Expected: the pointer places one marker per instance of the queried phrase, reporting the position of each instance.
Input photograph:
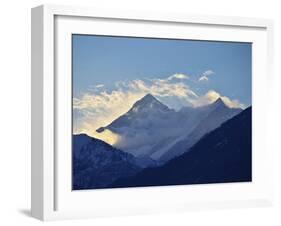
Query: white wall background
(15, 111)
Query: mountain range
(161, 146)
(223, 155)
(151, 129)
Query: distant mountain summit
(148, 105)
(146, 123)
(219, 101)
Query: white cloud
(162, 88)
(178, 76)
(208, 73)
(205, 75)
(203, 78)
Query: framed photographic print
(138, 112)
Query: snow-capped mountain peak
(146, 107)
(219, 101)
(148, 103)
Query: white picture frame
(52, 197)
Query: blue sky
(105, 60)
(101, 62)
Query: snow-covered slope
(189, 118)
(147, 123)
(217, 113)
(141, 111)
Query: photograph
(152, 111)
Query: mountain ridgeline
(221, 156)
(97, 164)
(209, 144)
(153, 130)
